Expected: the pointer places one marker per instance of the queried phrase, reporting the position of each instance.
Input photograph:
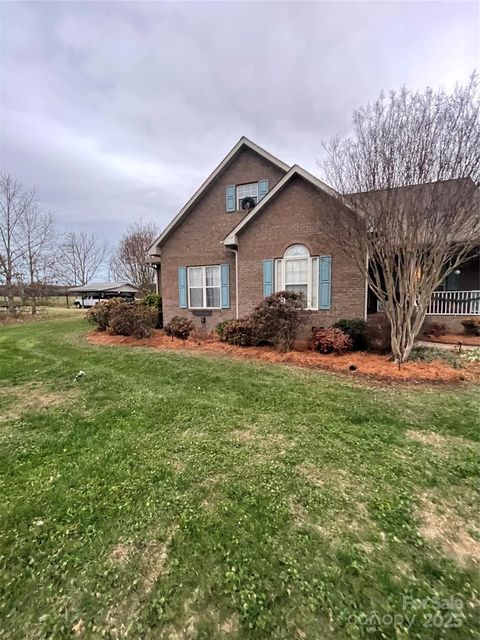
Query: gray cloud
(117, 111)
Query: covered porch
(459, 294)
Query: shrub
(473, 355)
(378, 335)
(101, 312)
(154, 301)
(435, 329)
(238, 332)
(220, 327)
(132, 320)
(179, 327)
(471, 326)
(330, 341)
(277, 318)
(430, 354)
(356, 329)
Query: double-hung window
(297, 271)
(204, 287)
(246, 191)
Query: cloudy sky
(117, 111)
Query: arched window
(298, 271)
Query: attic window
(246, 191)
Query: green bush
(238, 332)
(154, 301)
(132, 320)
(101, 312)
(471, 326)
(472, 355)
(220, 328)
(431, 354)
(356, 329)
(179, 327)
(277, 319)
(330, 341)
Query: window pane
(213, 276)
(296, 250)
(196, 297)
(195, 276)
(296, 271)
(278, 275)
(298, 288)
(213, 296)
(314, 293)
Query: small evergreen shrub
(356, 329)
(220, 327)
(238, 332)
(473, 355)
(179, 327)
(471, 326)
(101, 312)
(132, 320)
(435, 329)
(330, 341)
(277, 319)
(431, 354)
(154, 301)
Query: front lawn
(176, 495)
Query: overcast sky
(118, 111)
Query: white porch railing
(448, 303)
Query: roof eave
(243, 142)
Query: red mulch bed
(366, 364)
(455, 338)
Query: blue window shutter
(230, 198)
(225, 281)
(182, 287)
(267, 278)
(262, 189)
(325, 282)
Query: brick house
(254, 227)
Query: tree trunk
(405, 324)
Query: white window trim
(204, 284)
(238, 198)
(281, 286)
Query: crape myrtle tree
(406, 239)
(129, 259)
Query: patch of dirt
(321, 477)
(231, 625)
(120, 552)
(442, 525)
(437, 441)
(154, 560)
(369, 365)
(33, 396)
(455, 338)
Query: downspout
(235, 251)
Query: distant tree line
(36, 255)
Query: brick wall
(198, 239)
(295, 216)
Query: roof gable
(243, 143)
(232, 239)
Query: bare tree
(15, 202)
(409, 177)
(81, 255)
(38, 237)
(128, 261)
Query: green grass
(172, 495)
